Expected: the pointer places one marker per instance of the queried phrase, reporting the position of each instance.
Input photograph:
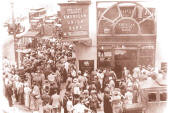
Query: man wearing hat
(116, 101)
(85, 98)
(76, 87)
(65, 100)
(94, 101)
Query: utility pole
(14, 33)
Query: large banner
(75, 19)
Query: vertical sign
(75, 19)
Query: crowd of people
(48, 79)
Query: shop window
(125, 54)
(152, 97)
(146, 52)
(163, 96)
(104, 62)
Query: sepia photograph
(84, 56)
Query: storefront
(122, 34)
(126, 36)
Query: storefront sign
(75, 19)
(86, 65)
(126, 26)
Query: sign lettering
(75, 19)
(126, 26)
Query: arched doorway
(126, 36)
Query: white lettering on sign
(126, 26)
(74, 11)
(75, 19)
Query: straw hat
(79, 72)
(75, 80)
(93, 91)
(86, 92)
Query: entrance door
(124, 58)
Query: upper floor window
(163, 96)
(152, 97)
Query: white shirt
(51, 78)
(79, 108)
(66, 66)
(129, 97)
(56, 100)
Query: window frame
(155, 95)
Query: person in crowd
(35, 96)
(125, 73)
(47, 108)
(64, 74)
(107, 102)
(82, 79)
(21, 92)
(9, 92)
(111, 84)
(69, 82)
(93, 101)
(85, 98)
(56, 102)
(116, 101)
(137, 72)
(27, 92)
(100, 76)
(79, 108)
(69, 104)
(129, 96)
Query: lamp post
(14, 33)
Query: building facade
(111, 34)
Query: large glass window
(104, 62)
(146, 52)
(163, 96)
(152, 97)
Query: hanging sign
(75, 19)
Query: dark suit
(107, 104)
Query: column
(138, 54)
(113, 57)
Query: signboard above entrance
(126, 26)
(75, 19)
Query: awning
(30, 34)
(85, 41)
(39, 17)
